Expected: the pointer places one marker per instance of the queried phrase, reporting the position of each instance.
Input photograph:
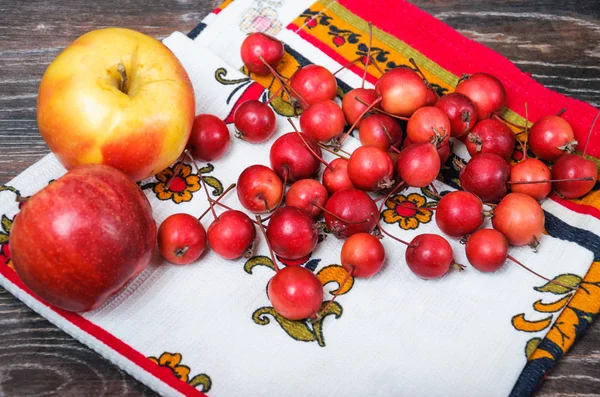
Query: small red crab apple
(181, 239)
(295, 293)
(335, 177)
(460, 111)
(459, 213)
(520, 218)
(353, 108)
(430, 256)
(313, 83)
(323, 121)
(308, 195)
(428, 124)
(402, 91)
(486, 92)
(419, 164)
(295, 156)
(531, 170)
(292, 233)
(371, 169)
(259, 45)
(209, 139)
(491, 136)
(444, 149)
(350, 211)
(487, 250)
(232, 235)
(381, 131)
(254, 121)
(550, 137)
(571, 166)
(485, 176)
(259, 189)
(362, 255)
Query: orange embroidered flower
(181, 186)
(171, 361)
(408, 211)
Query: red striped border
(163, 374)
(330, 53)
(576, 207)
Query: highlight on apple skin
(117, 97)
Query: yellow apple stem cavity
(124, 79)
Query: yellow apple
(117, 97)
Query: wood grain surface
(557, 41)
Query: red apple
(116, 97)
(83, 237)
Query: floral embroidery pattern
(408, 211)
(304, 330)
(172, 362)
(343, 33)
(177, 183)
(562, 331)
(282, 103)
(261, 20)
(314, 18)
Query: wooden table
(558, 42)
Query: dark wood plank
(556, 41)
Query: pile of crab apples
(389, 160)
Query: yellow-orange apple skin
(84, 117)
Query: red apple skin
(85, 118)
(83, 237)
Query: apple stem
(367, 110)
(180, 252)
(372, 62)
(341, 287)
(386, 132)
(217, 200)
(264, 233)
(539, 275)
(287, 86)
(264, 199)
(524, 143)
(587, 178)
(368, 54)
(21, 199)
(434, 190)
(590, 134)
(339, 218)
(229, 208)
(124, 78)
(561, 112)
(420, 72)
(359, 99)
(308, 146)
(505, 121)
(324, 147)
(210, 201)
(275, 94)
